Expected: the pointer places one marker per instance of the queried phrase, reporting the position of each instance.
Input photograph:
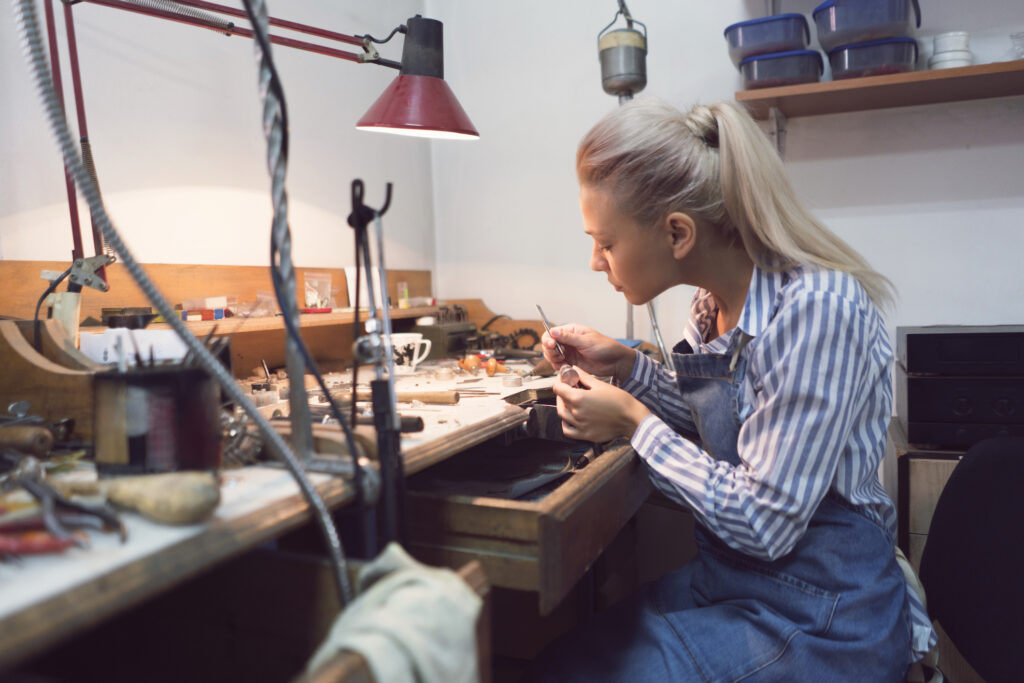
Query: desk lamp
(623, 54)
(418, 101)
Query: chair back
(972, 567)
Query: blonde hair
(716, 165)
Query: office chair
(972, 567)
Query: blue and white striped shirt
(815, 404)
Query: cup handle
(420, 357)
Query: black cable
(398, 29)
(489, 322)
(276, 276)
(39, 304)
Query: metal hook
(361, 213)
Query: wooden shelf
(237, 325)
(1000, 79)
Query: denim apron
(832, 609)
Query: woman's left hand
(597, 411)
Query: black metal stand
(377, 347)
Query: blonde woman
(770, 429)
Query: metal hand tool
(547, 326)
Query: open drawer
(543, 545)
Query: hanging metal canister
(623, 55)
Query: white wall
(174, 118)
(933, 196)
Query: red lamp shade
(423, 106)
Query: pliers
(59, 514)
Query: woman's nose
(597, 261)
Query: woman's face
(637, 259)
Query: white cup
(951, 60)
(410, 349)
(952, 41)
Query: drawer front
(543, 546)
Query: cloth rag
(412, 623)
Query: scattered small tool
(542, 369)
(492, 367)
(59, 515)
(30, 439)
(471, 363)
(448, 398)
(36, 542)
(169, 498)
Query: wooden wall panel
(22, 285)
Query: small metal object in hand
(547, 326)
(569, 375)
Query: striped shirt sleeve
(654, 386)
(811, 367)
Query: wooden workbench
(49, 598)
(543, 546)
(46, 598)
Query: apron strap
(741, 341)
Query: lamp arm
(229, 28)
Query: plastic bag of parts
(317, 289)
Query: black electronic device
(957, 385)
(962, 349)
(447, 340)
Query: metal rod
(666, 357)
(76, 76)
(83, 129)
(232, 30)
(77, 250)
(282, 23)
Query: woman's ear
(682, 233)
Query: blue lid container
(777, 33)
(874, 58)
(846, 22)
(781, 68)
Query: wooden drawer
(544, 545)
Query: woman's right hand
(590, 350)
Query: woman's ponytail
(776, 230)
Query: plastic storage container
(847, 22)
(781, 68)
(874, 58)
(778, 33)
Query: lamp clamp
(370, 53)
(84, 272)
